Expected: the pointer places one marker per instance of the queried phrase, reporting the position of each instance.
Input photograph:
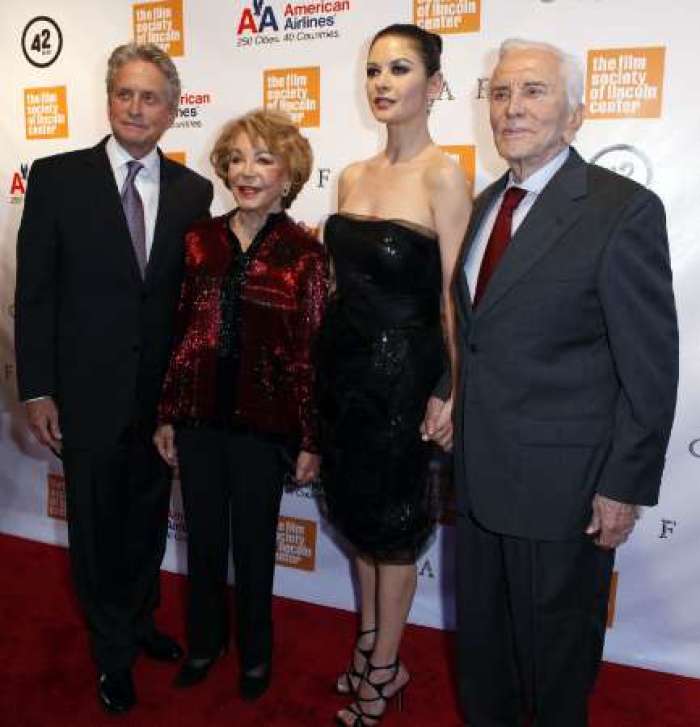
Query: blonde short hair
(279, 134)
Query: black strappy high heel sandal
(362, 718)
(351, 675)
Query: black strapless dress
(382, 352)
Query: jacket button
(136, 348)
(473, 348)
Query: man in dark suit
(99, 266)
(565, 398)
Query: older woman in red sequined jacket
(238, 399)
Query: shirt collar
(118, 156)
(537, 181)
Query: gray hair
(149, 53)
(571, 71)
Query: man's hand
(43, 421)
(164, 439)
(437, 424)
(308, 467)
(612, 521)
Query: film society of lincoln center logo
(45, 112)
(448, 16)
(296, 543)
(624, 83)
(42, 41)
(296, 91)
(160, 23)
(56, 496)
(465, 156)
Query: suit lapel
(109, 212)
(482, 204)
(554, 211)
(165, 206)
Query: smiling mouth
(383, 103)
(246, 191)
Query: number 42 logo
(42, 41)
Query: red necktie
(498, 239)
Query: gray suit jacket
(568, 367)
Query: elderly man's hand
(612, 521)
(437, 424)
(308, 467)
(43, 421)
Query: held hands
(43, 421)
(308, 467)
(612, 521)
(437, 425)
(164, 439)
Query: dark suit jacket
(89, 331)
(569, 365)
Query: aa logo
(257, 19)
(296, 92)
(45, 113)
(18, 184)
(160, 23)
(448, 16)
(296, 543)
(625, 83)
(177, 156)
(56, 497)
(465, 156)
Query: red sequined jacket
(245, 331)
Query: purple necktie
(133, 210)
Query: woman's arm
(450, 198)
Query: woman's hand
(308, 467)
(164, 439)
(437, 425)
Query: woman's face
(397, 84)
(256, 176)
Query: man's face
(139, 112)
(530, 115)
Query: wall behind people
(308, 59)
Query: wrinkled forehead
(533, 65)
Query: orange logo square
(612, 600)
(448, 16)
(296, 91)
(296, 543)
(160, 23)
(465, 156)
(56, 497)
(46, 112)
(177, 156)
(625, 83)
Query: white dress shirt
(534, 185)
(147, 182)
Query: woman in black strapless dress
(393, 246)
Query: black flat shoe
(116, 691)
(253, 686)
(193, 671)
(160, 647)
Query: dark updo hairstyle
(428, 45)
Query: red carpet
(47, 677)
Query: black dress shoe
(161, 647)
(253, 686)
(116, 691)
(193, 671)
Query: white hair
(571, 70)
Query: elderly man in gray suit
(564, 398)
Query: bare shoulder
(444, 175)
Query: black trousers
(231, 488)
(117, 503)
(531, 624)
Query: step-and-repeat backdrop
(307, 58)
